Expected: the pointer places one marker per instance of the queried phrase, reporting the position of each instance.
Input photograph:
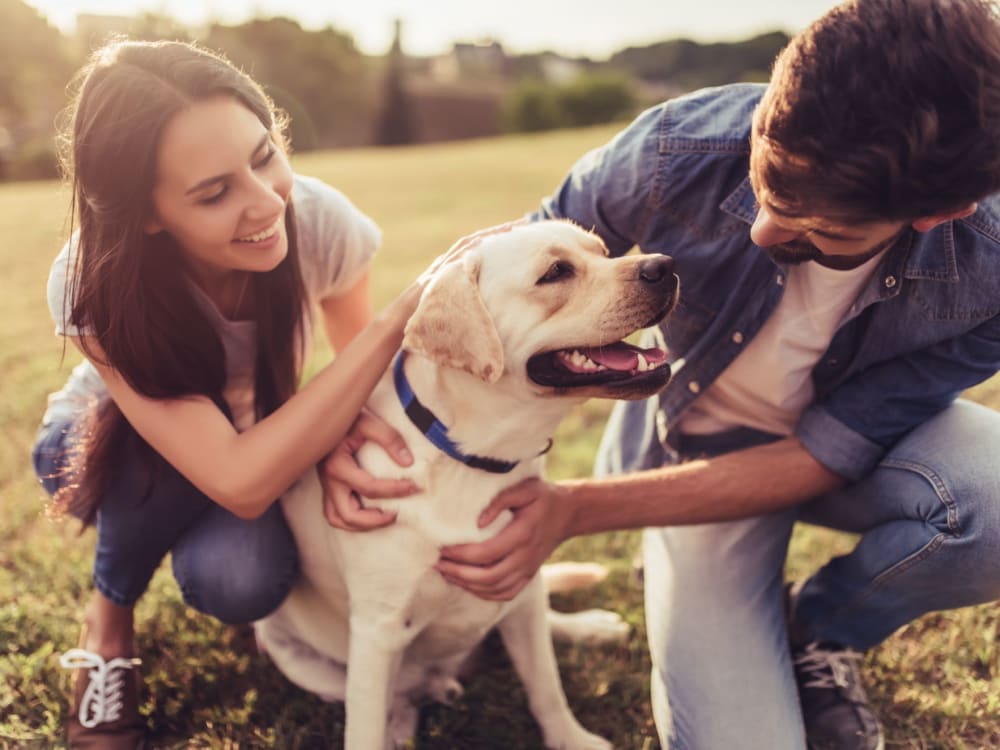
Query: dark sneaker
(105, 713)
(835, 708)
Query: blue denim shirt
(926, 326)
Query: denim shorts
(234, 569)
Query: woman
(189, 287)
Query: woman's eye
(266, 158)
(558, 270)
(214, 198)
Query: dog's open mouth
(597, 365)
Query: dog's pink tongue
(623, 356)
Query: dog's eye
(557, 271)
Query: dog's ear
(452, 326)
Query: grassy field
(936, 682)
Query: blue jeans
(233, 569)
(929, 523)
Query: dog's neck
(483, 419)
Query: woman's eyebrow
(219, 177)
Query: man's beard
(796, 253)
(793, 253)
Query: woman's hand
(465, 244)
(344, 481)
(500, 567)
(401, 308)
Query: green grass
(936, 682)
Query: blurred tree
(153, 26)
(690, 65)
(531, 106)
(595, 98)
(319, 77)
(35, 65)
(394, 126)
(589, 99)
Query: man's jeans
(929, 520)
(234, 569)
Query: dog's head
(544, 302)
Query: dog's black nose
(656, 268)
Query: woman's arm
(245, 472)
(346, 315)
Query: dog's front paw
(444, 689)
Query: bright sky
(595, 28)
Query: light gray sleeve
(60, 303)
(336, 240)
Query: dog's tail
(593, 626)
(569, 576)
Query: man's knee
(954, 455)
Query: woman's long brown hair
(128, 290)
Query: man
(837, 237)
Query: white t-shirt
(769, 384)
(336, 242)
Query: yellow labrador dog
(505, 340)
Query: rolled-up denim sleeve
(608, 190)
(835, 445)
(851, 429)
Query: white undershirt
(769, 384)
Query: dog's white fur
(373, 600)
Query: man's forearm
(735, 485)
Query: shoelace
(827, 668)
(104, 697)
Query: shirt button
(737, 338)
(694, 387)
(890, 282)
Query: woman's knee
(238, 577)
(235, 590)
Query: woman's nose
(765, 232)
(269, 197)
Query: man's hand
(499, 568)
(344, 480)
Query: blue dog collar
(432, 428)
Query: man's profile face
(835, 243)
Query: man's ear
(452, 326)
(927, 223)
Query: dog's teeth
(643, 365)
(581, 360)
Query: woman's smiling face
(222, 186)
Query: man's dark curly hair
(883, 110)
